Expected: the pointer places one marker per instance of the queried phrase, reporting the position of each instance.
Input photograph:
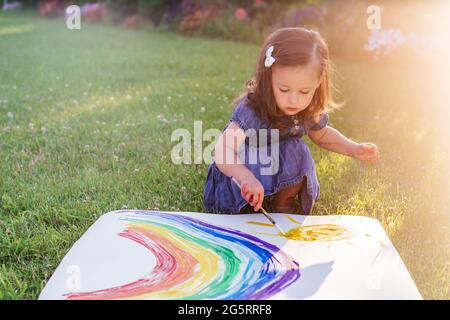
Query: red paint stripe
(173, 266)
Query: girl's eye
(302, 92)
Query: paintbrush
(262, 209)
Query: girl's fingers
(250, 196)
(255, 201)
(260, 201)
(373, 159)
(246, 196)
(370, 149)
(253, 196)
(255, 207)
(370, 157)
(252, 200)
(367, 157)
(369, 153)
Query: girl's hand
(253, 192)
(366, 151)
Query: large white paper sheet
(137, 254)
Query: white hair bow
(269, 59)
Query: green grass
(86, 119)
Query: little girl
(288, 97)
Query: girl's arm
(225, 153)
(227, 160)
(332, 140)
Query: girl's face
(294, 86)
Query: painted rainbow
(198, 260)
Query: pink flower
(240, 14)
(259, 3)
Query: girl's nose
(293, 99)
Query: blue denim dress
(274, 169)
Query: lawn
(86, 119)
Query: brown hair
(292, 47)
